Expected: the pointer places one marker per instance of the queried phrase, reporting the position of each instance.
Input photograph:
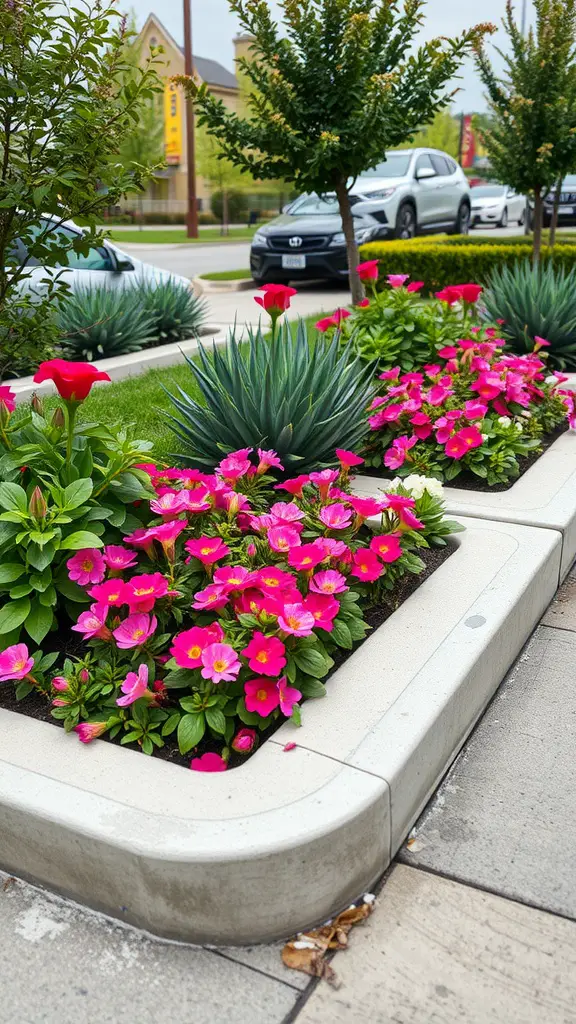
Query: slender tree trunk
(527, 217)
(554, 223)
(356, 286)
(537, 244)
(224, 212)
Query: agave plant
(177, 313)
(97, 323)
(302, 400)
(535, 303)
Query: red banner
(468, 144)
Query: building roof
(210, 71)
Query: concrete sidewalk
(475, 923)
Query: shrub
(98, 323)
(28, 335)
(476, 409)
(176, 312)
(440, 263)
(237, 206)
(534, 304)
(302, 400)
(231, 617)
(64, 488)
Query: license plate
(293, 262)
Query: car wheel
(521, 219)
(503, 222)
(462, 224)
(406, 225)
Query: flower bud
(37, 404)
(59, 683)
(58, 419)
(84, 675)
(244, 741)
(37, 505)
(251, 550)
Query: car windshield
(487, 191)
(315, 206)
(395, 166)
(569, 181)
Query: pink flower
(463, 442)
(449, 295)
(118, 558)
(135, 631)
(397, 280)
(207, 549)
(540, 343)
(324, 608)
(265, 654)
(171, 504)
(341, 314)
(415, 286)
(448, 352)
(366, 507)
(475, 410)
(268, 460)
(396, 455)
(422, 425)
(392, 374)
(187, 647)
(328, 582)
(234, 577)
(134, 686)
(469, 292)
(335, 517)
(296, 620)
(244, 741)
(87, 566)
(368, 271)
(209, 762)
(15, 663)
(387, 547)
(348, 459)
(275, 580)
(276, 299)
(333, 549)
(282, 538)
(93, 623)
(288, 697)
(166, 535)
(326, 324)
(289, 746)
(59, 683)
(88, 731)
(220, 662)
(143, 539)
(197, 500)
(111, 592)
(7, 398)
(213, 596)
(363, 303)
(438, 394)
(402, 508)
(141, 592)
(286, 512)
(366, 566)
(232, 468)
(306, 556)
(261, 696)
(488, 385)
(323, 481)
(433, 369)
(295, 485)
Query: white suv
(414, 191)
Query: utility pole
(192, 214)
(523, 22)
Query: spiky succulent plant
(303, 400)
(97, 323)
(177, 313)
(536, 303)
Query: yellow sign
(172, 124)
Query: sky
(214, 27)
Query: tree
(332, 93)
(222, 175)
(442, 133)
(531, 142)
(66, 108)
(144, 145)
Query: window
(424, 163)
(440, 165)
(488, 191)
(315, 206)
(96, 259)
(394, 166)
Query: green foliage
(534, 303)
(52, 506)
(444, 263)
(302, 400)
(237, 206)
(176, 312)
(98, 323)
(28, 336)
(443, 133)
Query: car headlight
(383, 193)
(260, 239)
(365, 235)
(338, 239)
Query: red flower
(8, 398)
(73, 380)
(469, 292)
(449, 295)
(368, 271)
(276, 298)
(415, 286)
(325, 324)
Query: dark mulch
(470, 482)
(35, 705)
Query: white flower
(552, 379)
(519, 427)
(526, 414)
(394, 484)
(504, 421)
(417, 484)
(484, 437)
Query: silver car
(496, 204)
(413, 191)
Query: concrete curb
(290, 837)
(545, 496)
(130, 365)
(203, 287)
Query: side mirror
(424, 172)
(123, 264)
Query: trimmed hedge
(439, 264)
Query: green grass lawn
(145, 237)
(227, 275)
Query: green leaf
(311, 688)
(311, 662)
(39, 621)
(216, 720)
(77, 494)
(13, 498)
(341, 634)
(191, 729)
(13, 614)
(80, 540)
(22, 590)
(179, 679)
(10, 571)
(171, 724)
(69, 589)
(40, 558)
